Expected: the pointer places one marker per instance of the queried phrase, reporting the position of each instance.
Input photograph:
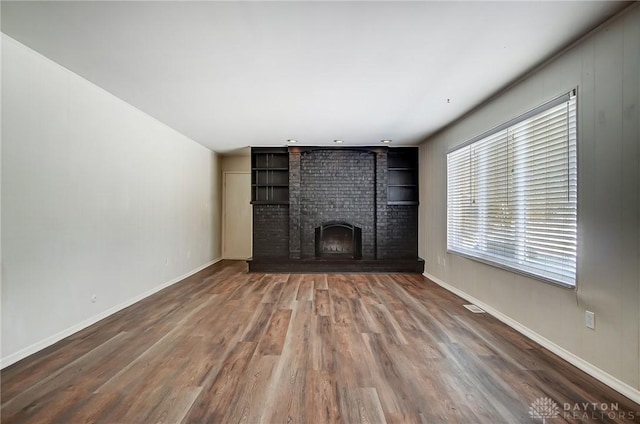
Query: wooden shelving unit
(402, 176)
(269, 175)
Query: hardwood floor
(224, 346)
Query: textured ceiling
(236, 74)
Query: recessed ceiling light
(385, 141)
(338, 141)
(291, 140)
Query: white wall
(606, 69)
(97, 199)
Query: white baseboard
(38, 346)
(611, 381)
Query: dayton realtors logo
(596, 411)
(546, 409)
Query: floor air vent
(475, 309)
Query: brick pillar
(381, 203)
(294, 204)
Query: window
(512, 194)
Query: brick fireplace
(337, 211)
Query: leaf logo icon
(544, 408)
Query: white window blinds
(512, 194)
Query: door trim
(224, 216)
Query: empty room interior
(320, 212)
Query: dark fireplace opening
(338, 240)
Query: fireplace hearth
(336, 240)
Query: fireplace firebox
(337, 240)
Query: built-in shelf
(402, 176)
(269, 202)
(402, 202)
(270, 169)
(269, 175)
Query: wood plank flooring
(224, 346)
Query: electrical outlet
(94, 297)
(590, 319)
